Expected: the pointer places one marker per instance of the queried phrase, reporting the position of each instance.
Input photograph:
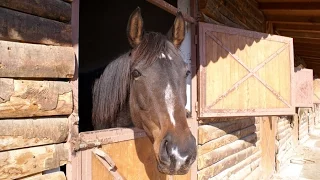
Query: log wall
(303, 116)
(228, 149)
(37, 64)
(285, 140)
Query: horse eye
(136, 74)
(188, 73)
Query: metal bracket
(106, 160)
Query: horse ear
(135, 28)
(178, 30)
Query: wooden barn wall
(230, 148)
(285, 140)
(243, 14)
(37, 62)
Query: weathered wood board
(23, 162)
(244, 73)
(53, 9)
(27, 98)
(52, 176)
(36, 61)
(316, 90)
(20, 133)
(304, 85)
(17, 26)
(129, 149)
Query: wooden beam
(289, 6)
(291, 19)
(17, 26)
(21, 133)
(51, 176)
(299, 33)
(171, 9)
(309, 46)
(311, 53)
(293, 26)
(306, 40)
(293, 13)
(53, 9)
(27, 98)
(23, 162)
(295, 23)
(280, 1)
(36, 61)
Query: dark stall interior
(102, 38)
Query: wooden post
(268, 133)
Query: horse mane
(111, 90)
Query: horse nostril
(164, 153)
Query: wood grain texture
(53, 9)
(17, 26)
(20, 133)
(23, 162)
(216, 155)
(27, 98)
(226, 163)
(134, 159)
(253, 82)
(52, 176)
(224, 140)
(36, 61)
(211, 132)
(304, 85)
(316, 90)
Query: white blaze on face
(180, 160)
(169, 97)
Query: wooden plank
(237, 167)
(299, 33)
(226, 163)
(36, 61)
(27, 98)
(283, 25)
(293, 12)
(51, 176)
(210, 132)
(246, 171)
(268, 125)
(224, 140)
(134, 159)
(171, 9)
(17, 26)
(289, 6)
(291, 18)
(220, 50)
(53, 9)
(216, 155)
(20, 133)
(24, 162)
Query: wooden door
(303, 87)
(119, 153)
(244, 73)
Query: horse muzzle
(176, 155)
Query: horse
(146, 87)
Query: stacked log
(303, 124)
(37, 62)
(284, 141)
(227, 148)
(317, 114)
